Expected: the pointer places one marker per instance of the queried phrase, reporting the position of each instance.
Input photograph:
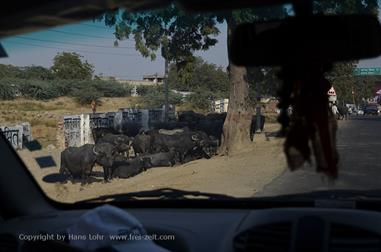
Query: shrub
(7, 90)
(146, 90)
(157, 99)
(64, 87)
(85, 96)
(111, 88)
(200, 100)
(38, 89)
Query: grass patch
(50, 123)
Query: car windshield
(149, 101)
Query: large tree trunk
(236, 131)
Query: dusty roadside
(241, 175)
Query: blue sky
(39, 48)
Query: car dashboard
(282, 229)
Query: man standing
(94, 106)
(335, 110)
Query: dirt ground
(241, 175)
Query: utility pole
(166, 91)
(258, 109)
(353, 97)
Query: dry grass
(44, 115)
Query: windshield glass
(133, 102)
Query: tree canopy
(178, 35)
(199, 75)
(172, 31)
(341, 76)
(67, 65)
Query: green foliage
(38, 89)
(342, 74)
(71, 66)
(156, 99)
(198, 74)
(145, 90)
(8, 88)
(111, 88)
(86, 96)
(346, 7)
(175, 32)
(10, 71)
(201, 100)
(364, 87)
(64, 87)
(342, 80)
(36, 72)
(263, 82)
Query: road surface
(359, 146)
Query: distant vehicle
(371, 109)
(351, 109)
(360, 112)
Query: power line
(71, 43)
(80, 34)
(96, 26)
(63, 49)
(125, 77)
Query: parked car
(371, 109)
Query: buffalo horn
(96, 153)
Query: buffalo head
(122, 142)
(105, 153)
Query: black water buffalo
(211, 127)
(120, 141)
(214, 142)
(216, 116)
(169, 125)
(254, 127)
(142, 143)
(160, 159)
(190, 118)
(181, 143)
(197, 153)
(126, 168)
(131, 129)
(98, 133)
(78, 162)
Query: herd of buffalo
(192, 136)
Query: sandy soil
(241, 175)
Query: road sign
(367, 71)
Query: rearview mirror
(323, 39)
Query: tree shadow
(33, 145)
(61, 178)
(45, 162)
(55, 178)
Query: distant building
(220, 106)
(148, 80)
(184, 94)
(154, 78)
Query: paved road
(359, 145)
